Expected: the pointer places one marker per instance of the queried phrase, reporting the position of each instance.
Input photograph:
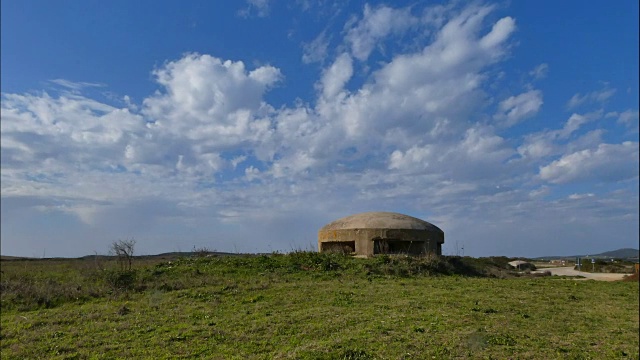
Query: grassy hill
(309, 306)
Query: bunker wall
(365, 239)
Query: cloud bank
(207, 160)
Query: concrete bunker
(339, 246)
(373, 233)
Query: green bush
(121, 280)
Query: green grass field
(309, 306)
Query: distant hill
(626, 253)
(164, 256)
(168, 255)
(7, 257)
(620, 253)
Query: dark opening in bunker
(346, 247)
(394, 246)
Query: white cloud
(208, 156)
(316, 50)
(628, 118)
(238, 160)
(540, 71)
(580, 196)
(336, 76)
(130, 105)
(216, 103)
(481, 152)
(539, 192)
(456, 54)
(576, 121)
(258, 8)
(516, 108)
(573, 124)
(554, 142)
(536, 146)
(374, 26)
(205, 88)
(251, 173)
(208, 106)
(588, 140)
(499, 33)
(75, 85)
(608, 162)
(68, 128)
(418, 92)
(600, 96)
(415, 157)
(210, 114)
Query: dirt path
(569, 271)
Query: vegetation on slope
(32, 284)
(604, 266)
(309, 306)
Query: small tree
(202, 251)
(123, 250)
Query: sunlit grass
(308, 306)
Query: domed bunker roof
(380, 220)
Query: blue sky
(246, 126)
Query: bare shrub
(123, 250)
(202, 251)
